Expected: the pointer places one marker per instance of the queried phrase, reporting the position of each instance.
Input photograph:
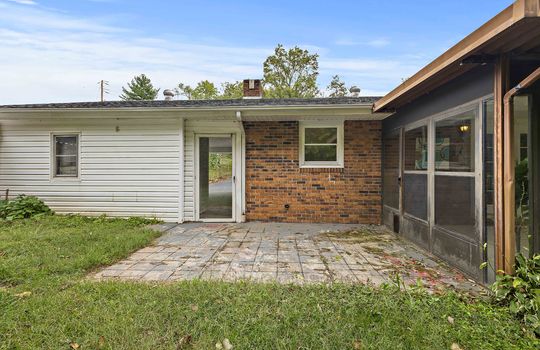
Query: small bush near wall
(23, 207)
(521, 291)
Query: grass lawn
(50, 258)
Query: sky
(58, 50)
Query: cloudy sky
(57, 51)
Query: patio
(286, 253)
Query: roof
(203, 104)
(514, 30)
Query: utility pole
(103, 89)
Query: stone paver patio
(286, 253)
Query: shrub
(23, 207)
(521, 291)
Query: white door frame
(235, 181)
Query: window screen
(454, 143)
(391, 170)
(455, 204)
(415, 195)
(416, 149)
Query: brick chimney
(252, 88)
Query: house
(300, 160)
(434, 160)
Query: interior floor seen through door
(215, 178)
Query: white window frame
(339, 163)
(54, 176)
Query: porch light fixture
(464, 128)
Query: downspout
(243, 164)
(509, 172)
(181, 185)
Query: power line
(103, 89)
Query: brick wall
(274, 179)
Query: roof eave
(142, 112)
(513, 14)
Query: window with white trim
(321, 145)
(66, 156)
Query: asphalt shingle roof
(201, 103)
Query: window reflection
(454, 143)
(416, 149)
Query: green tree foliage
(206, 90)
(140, 88)
(291, 73)
(232, 90)
(337, 87)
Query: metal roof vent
(355, 91)
(169, 94)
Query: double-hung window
(321, 145)
(65, 155)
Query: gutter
(509, 187)
(187, 109)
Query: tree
(204, 90)
(337, 87)
(140, 88)
(232, 90)
(291, 73)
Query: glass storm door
(526, 150)
(522, 157)
(215, 178)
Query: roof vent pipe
(355, 91)
(169, 94)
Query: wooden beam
(509, 187)
(527, 8)
(500, 88)
(496, 25)
(473, 43)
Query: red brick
(274, 178)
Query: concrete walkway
(286, 253)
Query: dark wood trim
(534, 165)
(509, 203)
(501, 86)
(513, 23)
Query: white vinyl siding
(128, 167)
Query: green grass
(50, 258)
